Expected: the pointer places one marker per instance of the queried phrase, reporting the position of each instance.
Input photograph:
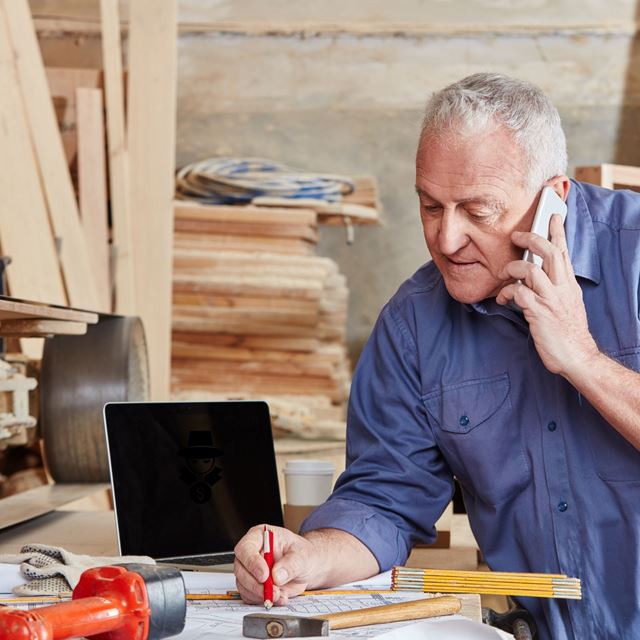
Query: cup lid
(309, 466)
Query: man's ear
(561, 185)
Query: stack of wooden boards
(256, 313)
(61, 247)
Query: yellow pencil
(334, 592)
(213, 596)
(35, 599)
(53, 599)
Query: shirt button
(464, 421)
(552, 426)
(562, 506)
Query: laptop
(190, 478)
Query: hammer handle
(413, 610)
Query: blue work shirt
(447, 389)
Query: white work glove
(54, 570)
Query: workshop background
(334, 87)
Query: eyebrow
(480, 199)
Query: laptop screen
(190, 477)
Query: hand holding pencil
(290, 562)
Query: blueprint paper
(222, 619)
(217, 619)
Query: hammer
(271, 625)
(123, 602)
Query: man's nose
(452, 235)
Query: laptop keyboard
(206, 561)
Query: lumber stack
(256, 314)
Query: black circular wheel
(79, 375)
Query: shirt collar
(581, 237)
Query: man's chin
(469, 296)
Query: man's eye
(481, 216)
(431, 208)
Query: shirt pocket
(615, 458)
(479, 436)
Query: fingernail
(280, 576)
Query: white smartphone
(550, 203)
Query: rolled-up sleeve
(396, 484)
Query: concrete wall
(339, 86)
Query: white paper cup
(308, 482)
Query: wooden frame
(611, 176)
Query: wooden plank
(118, 158)
(245, 302)
(36, 502)
(92, 184)
(199, 351)
(151, 144)
(250, 285)
(13, 309)
(229, 242)
(85, 532)
(268, 229)
(357, 213)
(25, 232)
(268, 343)
(186, 210)
(62, 205)
(41, 328)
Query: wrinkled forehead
(488, 164)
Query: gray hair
(482, 100)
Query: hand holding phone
(550, 202)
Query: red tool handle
(107, 599)
(267, 553)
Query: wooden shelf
(32, 319)
(36, 502)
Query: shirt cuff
(375, 531)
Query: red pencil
(267, 554)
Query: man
(536, 412)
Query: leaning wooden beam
(151, 143)
(56, 180)
(118, 157)
(25, 233)
(92, 185)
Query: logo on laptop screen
(201, 471)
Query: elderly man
(535, 411)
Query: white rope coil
(227, 180)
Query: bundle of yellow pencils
(537, 585)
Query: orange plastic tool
(129, 602)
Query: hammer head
(271, 625)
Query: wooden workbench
(94, 533)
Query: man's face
(473, 195)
